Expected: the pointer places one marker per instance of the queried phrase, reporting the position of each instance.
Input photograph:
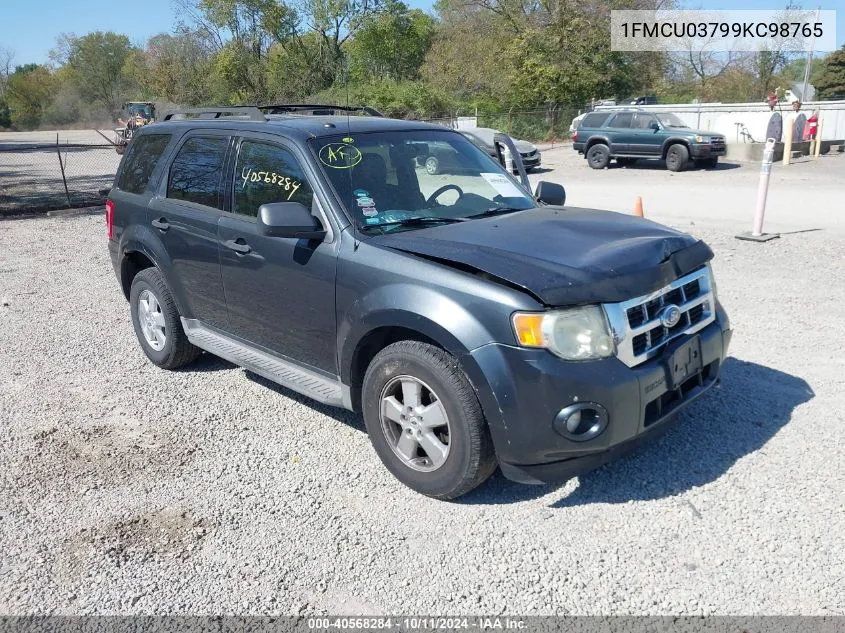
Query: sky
(29, 27)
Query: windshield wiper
(421, 221)
(494, 211)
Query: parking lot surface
(127, 489)
(803, 195)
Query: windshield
(141, 109)
(389, 181)
(671, 120)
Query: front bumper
(531, 162)
(529, 387)
(706, 150)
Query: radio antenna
(345, 67)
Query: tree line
(492, 55)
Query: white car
(483, 138)
(439, 160)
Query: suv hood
(561, 256)
(689, 132)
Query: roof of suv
(306, 127)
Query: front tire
(677, 157)
(598, 156)
(425, 422)
(157, 323)
(432, 166)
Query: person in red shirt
(812, 127)
(773, 101)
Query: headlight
(702, 139)
(574, 334)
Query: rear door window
(593, 120)
(140, 162)
(643, 121)
(622, 120)
(196, 172)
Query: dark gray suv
(473, 323)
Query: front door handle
(238, 245)
(161, 224)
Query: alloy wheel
(151, 320)
(415, 423)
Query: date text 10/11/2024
(493, 623)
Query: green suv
(627, 135)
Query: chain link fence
(546, 127)
(40, 176)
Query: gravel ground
(127, 489)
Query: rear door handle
(238, 245)
(161, 224)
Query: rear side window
(623, 119)
(643, 121)
(594, 120)
(197, 170)
(267, 173)
(141, 160)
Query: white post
(763, 187)
(788, 125)
(756, 234)
(818, 139)
(510, 162)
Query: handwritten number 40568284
(271, 178)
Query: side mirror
(654, 125)
(550, 193)
(289, 219)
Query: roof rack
(251, 112)
(315, 109)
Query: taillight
(575, 135)
(110, 217)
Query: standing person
(812, 126)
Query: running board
(308, 383)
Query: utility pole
(809, 61)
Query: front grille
(666, 402)
(637, 327)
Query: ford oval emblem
(670, 316)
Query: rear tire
(156, 322)
(441, 446)
(677, 157)
(598, 156)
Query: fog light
(582, 421)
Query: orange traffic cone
(638, 207)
